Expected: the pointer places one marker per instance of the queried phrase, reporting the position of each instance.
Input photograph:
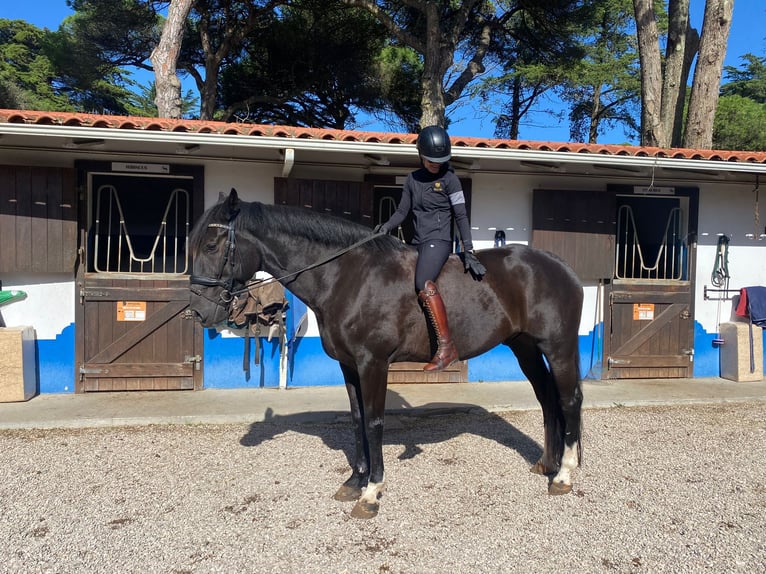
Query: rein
(261, 282)
(227, 294)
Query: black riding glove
(381, 229)
(473, 265)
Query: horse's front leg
(351, 490)
(373, 382)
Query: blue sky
(748, 35)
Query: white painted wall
(728, 210)
(48, 307)
(499, 202)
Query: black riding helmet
(434, 144)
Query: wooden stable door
(133, 329)
(650, 331)
(137, 336)
(640, 243)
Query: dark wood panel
(123, 370)
(138, 293)
(412, 373)
(578, 226)
(656, 347)
(658, 361)
(39, 221)
(38, 226)
(117, 384)
(53, 209)
(649, 332)
(23, 220)
(138, 332)
(590, 255)
(7, 219)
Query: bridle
(226, 295)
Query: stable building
(95, 213)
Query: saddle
(260, 311)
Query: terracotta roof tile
(253, 130)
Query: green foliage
(309, 66)
(749, 81)
(740, 124)
(537, 47)
(88, 82)
(740, 119)
(603, 88)
(120, 32)
(399, 69)
(142, 103)
(26, 71)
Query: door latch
(196, 359)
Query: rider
(435, 196)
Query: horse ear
(233, 202)
(221, 197)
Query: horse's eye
(211, 247)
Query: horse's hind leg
(534, 368)
(565, 368)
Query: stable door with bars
(133, 332)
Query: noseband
(226, 295)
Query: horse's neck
(292, 260)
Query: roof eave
(388, 149)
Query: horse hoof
(556, 488)
(348, 493)
(365, 510)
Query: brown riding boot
(446, 353)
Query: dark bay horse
(368, 316)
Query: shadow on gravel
(405, 425)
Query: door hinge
(610, 361)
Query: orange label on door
(643, 311)
(131, 310)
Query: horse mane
(319, 228)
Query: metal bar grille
(116, 240)
(631, 258)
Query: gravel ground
(663, 489)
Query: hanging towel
(741, 309)
(756, 305)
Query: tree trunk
(164, 58)
(707, 74)
(674, 82)
(651, 73)
(515, 109)
(433, 108)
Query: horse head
(218, 272)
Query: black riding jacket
(433, 199)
